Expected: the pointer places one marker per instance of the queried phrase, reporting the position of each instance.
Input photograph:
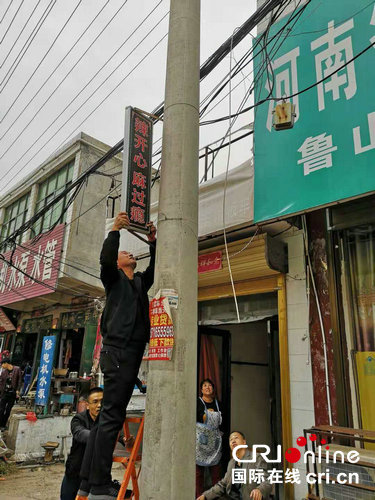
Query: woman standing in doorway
(208, 436)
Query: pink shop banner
(32, 269)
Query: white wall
(301, 386)
(250, 384)
(84, 237)
(25, 438)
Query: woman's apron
(208, 438)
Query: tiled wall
(301, 386)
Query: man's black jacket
(119, 315)
(80, 426)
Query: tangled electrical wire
(76, 186)
(267, 46)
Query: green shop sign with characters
(329, 154)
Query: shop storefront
(73, 357)
(7, 328)
(75, 333)
(27, 341)
(352, 254)
(77, 340)
(243, 345)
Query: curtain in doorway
(362, 269)
(209, 363)
(97, 348)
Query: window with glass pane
(361, 246)
(48, 191)
(15, 216)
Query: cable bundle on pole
(214, 60)
(206, 68)
(75, 185)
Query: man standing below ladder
(125, 329)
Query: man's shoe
(105, 492)
(116, 484)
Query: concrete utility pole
(168, 457)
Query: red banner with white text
(32, 269)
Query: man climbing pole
(125, 328)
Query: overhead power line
(214, 60)
(113, 90)
(42, 283)
(293, 18)
(246, 59)
(84, 87)
(242, 63)
(271, 4)
(43, 58)
(89, 208)
(260, 73)
(270, 98)
(66, 121)
(6, 11)
(13, 18)
(75, 185)
(53, 72)
(264, 38)
(112, 152)
(19, 35)
(207, 67)
(27, 44)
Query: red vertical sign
(161, 333)
(137, 169)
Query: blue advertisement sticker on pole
(45, 370)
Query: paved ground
(39, 482)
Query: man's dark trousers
(120, 368)
(6, 404)
(69, 487)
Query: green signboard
(329, 154)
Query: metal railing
(329, 442)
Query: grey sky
(144, 88)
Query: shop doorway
(24, 349)
(31, 340)
(214, 348)
(71, 349)
(249, 374)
